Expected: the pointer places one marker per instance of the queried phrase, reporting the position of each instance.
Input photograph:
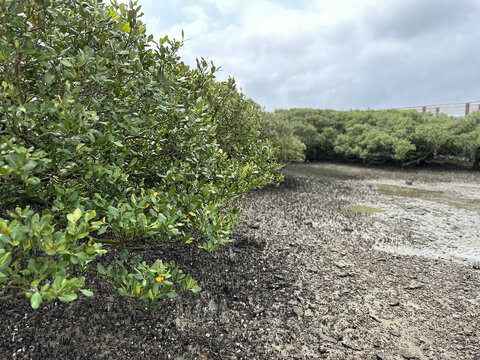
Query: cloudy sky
(339, 54)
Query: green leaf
(89, 215)
(48, 78)
(172, 294)
(86, 292)
(33, 181)
(113, 211)
(36, 300)
(124, 255)
(122, 291)
(66, 62)
(60, 20)
(101, 269)
(68, 297)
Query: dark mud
(306, 282)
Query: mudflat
(338, 262)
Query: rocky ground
(305, 279)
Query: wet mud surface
(314, 273)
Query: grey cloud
(400, 53)
(408, 19)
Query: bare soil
(306, 278)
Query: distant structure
(456, 109)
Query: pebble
(408, 355)
(352, 345)
(395, 333)
(298, 310)
(255, 225)
(394, 302)
(328, 338)
(258, 310)
(341, 265)
(413, 285)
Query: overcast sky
(338, 54)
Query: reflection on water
(433, 195)
(394, 190)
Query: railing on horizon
(456, 109)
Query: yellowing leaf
(137, 289)
(155, 193)
(6, 230)
(150, 294)
(160, 278)
(27, 246)
(126, 27)
(113, 14)
(77, 214)
(192, 213)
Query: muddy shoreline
(305, 279)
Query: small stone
(258, 310)
(468, 331)
(409, 182)
(180, 323)
(476, 265)
(312, 224)
(413, 285)
(298, 310)
(425, 347)
(394, 302)
(308, 313)
(408, 355)
(255, 225)
(312, 269)
(328, 338)
(341, 265)
(352, 345)
(343, 274)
